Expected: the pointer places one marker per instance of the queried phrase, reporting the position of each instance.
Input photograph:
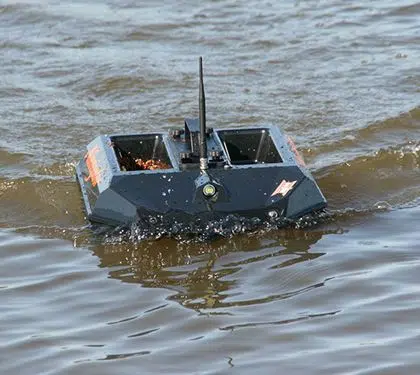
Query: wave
(390, 174)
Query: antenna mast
(202, 117)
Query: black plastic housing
(256, 172)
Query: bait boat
(196, 173)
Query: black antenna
(202, 117)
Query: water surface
(338, 297)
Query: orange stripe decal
(299, 158)
(92, 166)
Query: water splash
(156, 227)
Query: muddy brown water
(342, 296)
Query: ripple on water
(338, 297)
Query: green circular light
(209, 190)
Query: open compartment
(249, 146)
(141, 152)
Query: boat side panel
(305, 198)
(112, 207)
(88, 199)
(248, 190)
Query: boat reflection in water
(208, 275)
